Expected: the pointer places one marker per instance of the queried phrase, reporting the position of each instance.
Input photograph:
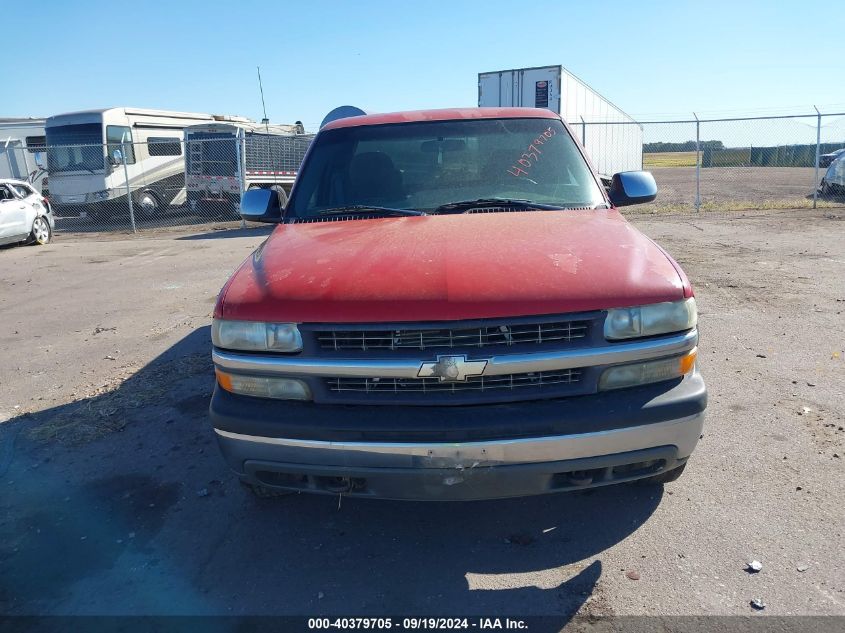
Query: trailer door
(496, 90)
(540, 88)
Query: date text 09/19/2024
(418, 623)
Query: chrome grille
(530, 333)
(435, 385)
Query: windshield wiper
(513, 203)
(363, 209)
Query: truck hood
(438, 268)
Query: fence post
(241, 143)
(818, 147)
(583, 133)
(697, 163)
(128, 188)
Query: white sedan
(25, 215)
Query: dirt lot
(115, 500)
(732, 188)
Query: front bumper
(469, 452)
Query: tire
(231, 210)
(283, 196)
(41, 232)
(149, 206)
(663, 478)
(265, 492)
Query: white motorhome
(612, 139)
(225, 158)
(22, 154)
(91, 153)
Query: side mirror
(261, 205)
(116, 157)
(632, 187)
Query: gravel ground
(115, 500)
(733, 188)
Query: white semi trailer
(612, 139)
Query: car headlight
(256, 336)
(647, 372)
(264, 386)
(648, 320)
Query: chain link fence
(159, 182)
(728, 165)
(723, 165)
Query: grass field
(669, 159)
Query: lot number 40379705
(532, 154)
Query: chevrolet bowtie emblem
(452, 368)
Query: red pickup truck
(451, 307)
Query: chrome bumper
(465, 470)
(682, 433)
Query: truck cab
(451, 306)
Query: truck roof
(448, 114)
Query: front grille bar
(497, 365)
(507, 382)
(450, 338)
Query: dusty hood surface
(435, 268)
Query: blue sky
(654, 60)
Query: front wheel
(148, 204)
(41, 232)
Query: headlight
(647, 372)
(255, 336)
(264, 386)
(648, 320)
(99, 195)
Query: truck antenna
(265, 120)
(266, 123)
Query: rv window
(164, 146)
(36, 143)
(115, 136)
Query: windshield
(426, 165)
(75, 147)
